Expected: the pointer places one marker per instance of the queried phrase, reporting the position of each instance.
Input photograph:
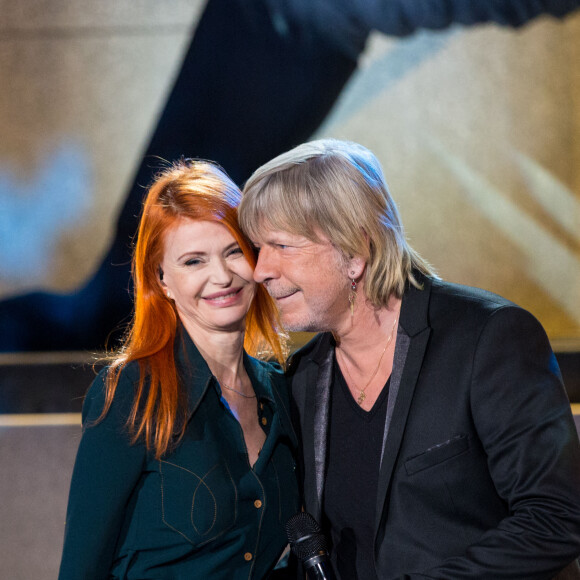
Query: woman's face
(207, 276)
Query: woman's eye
(193, 262)
(235, 252)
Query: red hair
(197, 190)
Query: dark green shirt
(200, 512)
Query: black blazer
(480, 471)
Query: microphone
(308, 544)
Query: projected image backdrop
(477, 129)
(478, 133)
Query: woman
(185, 468)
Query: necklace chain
(362, 395)
(236, 391)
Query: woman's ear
(161, 282)
(163, 285)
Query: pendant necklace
(362, 395)
(236, 391)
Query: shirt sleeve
(106, 470)
(523, 419)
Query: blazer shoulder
(472, 311)
(453, 301)
(471, 296)
(309, 353)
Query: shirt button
(264, 421)
(247, 556)
(257, 504)
(261, 406)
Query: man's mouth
(280, 295)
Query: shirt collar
(194, 371)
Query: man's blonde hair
(336, 188)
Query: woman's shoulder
(128, 375)
(268, 367)
(267, 372)
(128, 378)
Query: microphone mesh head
(305, 536)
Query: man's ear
(357, 263)
(356, 267)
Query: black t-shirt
(350, 489)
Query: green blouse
(200, 512)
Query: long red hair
(197, 190)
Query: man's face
(308, 280)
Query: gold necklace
(236, 391)
(362, 395)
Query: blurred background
(473, 109)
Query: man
(437, 437)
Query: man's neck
(368, 329)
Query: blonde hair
(336, 188)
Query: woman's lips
(225, 297)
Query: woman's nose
(221, 273)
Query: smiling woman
(207, 276)
(186, 463)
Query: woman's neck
(222, 350)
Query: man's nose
(265, 267)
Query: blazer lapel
(412, 340)
(321, 416)
(316, 416)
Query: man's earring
(352, 295)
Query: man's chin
(291, 324)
